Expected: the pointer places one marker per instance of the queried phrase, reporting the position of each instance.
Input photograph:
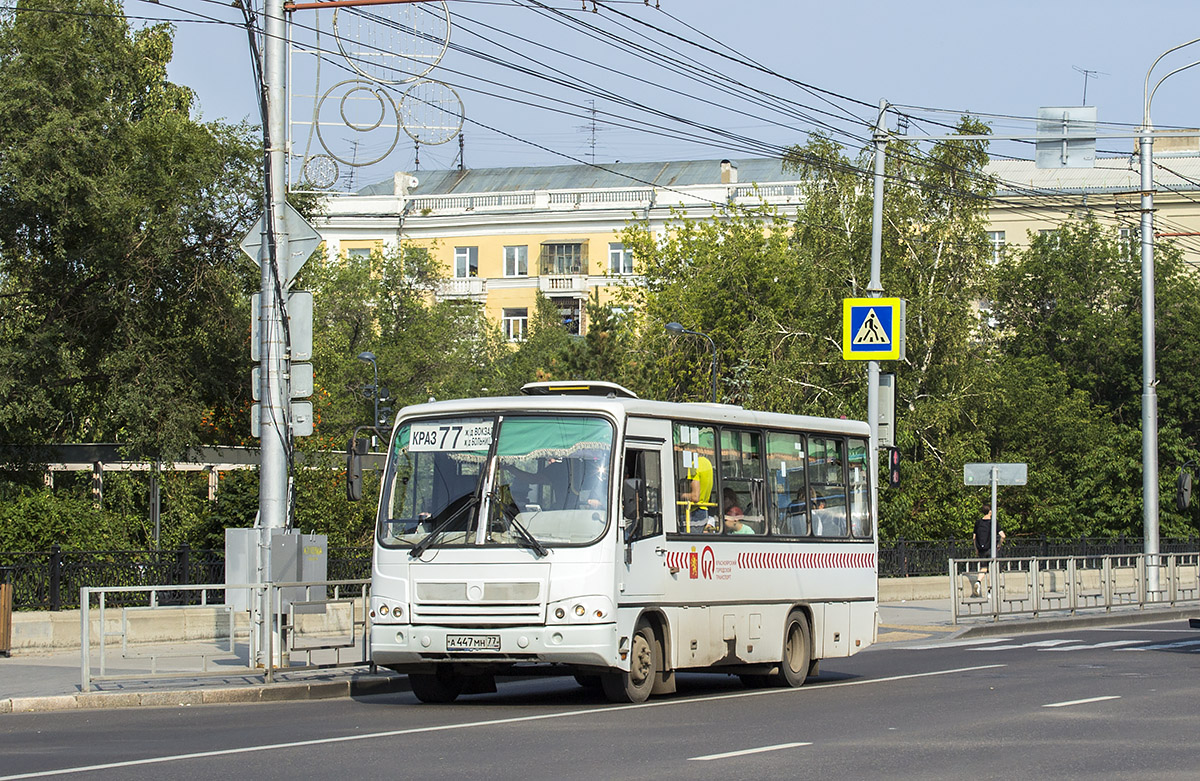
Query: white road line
(1039, 644)
(746, 751)
(956, 644)
(1093, 646)
(1164, 646)
(1137, 629)
(1081, 702)
(489, 723)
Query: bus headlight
(386, 611)
(580, 610)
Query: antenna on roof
(1087, 74)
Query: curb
(277, 692)
(1038, 625)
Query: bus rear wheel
(438, 687)
(644, 663)
(797, 652)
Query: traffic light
(355, 449)
(893, 467)
(1183, 490)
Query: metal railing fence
(311, 625)
(1040, 585)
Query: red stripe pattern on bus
(806, 560)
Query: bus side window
(785, 465)
(641, 494)
(827, 483)
(860, 503)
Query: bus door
(643, 571)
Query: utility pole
(273, 355)
(275, 395)
(875, 290)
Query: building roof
(1109, 175)
(1179, 172)
(680, 173)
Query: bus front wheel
(437, 687)
(797, 651)
(644, 664)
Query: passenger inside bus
(696, 490)
(733, 522)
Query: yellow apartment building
(505, 234)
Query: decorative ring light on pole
(676, 328)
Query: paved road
(1080, 703)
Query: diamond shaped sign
(302, 240)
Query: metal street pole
(1149, 392)
(875, 290)
(275, 418)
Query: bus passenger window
(696, 510)
(860, 504)
(742, 482)
(789, 489)
(826, 479)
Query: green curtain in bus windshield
(550, 437)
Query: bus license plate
(472, 642)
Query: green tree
(125, 315)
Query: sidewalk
(44, 682)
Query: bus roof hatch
(577, 388)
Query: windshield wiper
(442, 526)
(511, 514)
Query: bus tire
(644, 664)
(439, 687)
(797, 651)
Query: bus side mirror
(355, 449)
(1183, 490)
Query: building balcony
(558, 284)
(473, 288)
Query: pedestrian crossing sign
(872, 329)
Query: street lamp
(676, 328)
(369, 357)
(1149, 394)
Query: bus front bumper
(400, 645)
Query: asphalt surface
(1080, 702)
(52, 682)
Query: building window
(466, 262)
(569, 312)
(564, 258)
(358, 252)
(620, 259)
(515, 323)
(516, 261)
(997, 240)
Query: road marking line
(1093, 646)
(1041, 644)
(489, 723)
(955, 644)
(746, 751)
(1081, 702)
(1163, 646)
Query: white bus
(621, 540)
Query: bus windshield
(545, 477)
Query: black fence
(50, 580)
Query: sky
(543, 82)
